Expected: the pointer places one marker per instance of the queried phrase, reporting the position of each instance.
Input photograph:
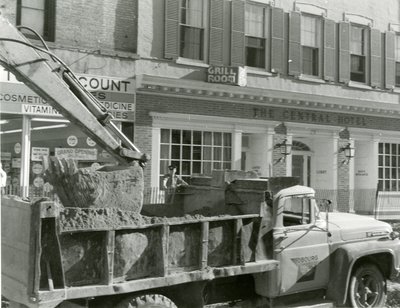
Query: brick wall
(97, 24)
(343, 191)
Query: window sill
(191, 62)
(257, 71)
(396, 90)
(358, 85)
(311, 79)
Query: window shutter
(171, 29)
(237, 44)
(49, 15)
(389, 59)
(216, 32)
(329, 50)
(277, 43)
(344, 52)
(295, 44)
(375, 58)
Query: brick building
(282, 87)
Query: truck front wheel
(147, 301)
(367, 287)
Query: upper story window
(191, 29)
(310, 44)
(255, 39)
(358, 45)
(38, 15)
(397, 59)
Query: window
(296, 211)
(195, 152)
(38, 15)
(397, 59)
(310, 42)
(255, 36)
(191, 29)
(389, 167)
(357, 54)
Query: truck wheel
(367, 287)
(147, 301)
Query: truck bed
(46, 259)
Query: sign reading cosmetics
(233, 75)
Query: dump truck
(227, 238)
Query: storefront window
(389, 167)
(11, 148)
(195, 152)
(47, 137)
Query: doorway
(301, 162)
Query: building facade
(283, 88)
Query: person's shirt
(173, 181)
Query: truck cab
(346, 255)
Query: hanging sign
(17, 148)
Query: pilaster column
(236, 149)
(25, 156)
(155, 156)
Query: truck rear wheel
(147, 301)
(367, 287)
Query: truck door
(301, 245)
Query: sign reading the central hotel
(234, 75)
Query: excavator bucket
(107, 187)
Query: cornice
(256, 96)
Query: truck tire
(367, 287)
(147, 301)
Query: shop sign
(16, 162)
(38, 182)
(7, 76)
(17, 148)
(38, 153)
(5, 155)
(39, 109)
(37, 168)
(90, 142)
(100, 83)
(72, 140)
(120, 110)
(234, 75)
(82, 154)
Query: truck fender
(342, 264)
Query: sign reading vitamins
(235, 75)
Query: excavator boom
(50, 78)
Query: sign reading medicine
(234, 75)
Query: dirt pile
(108, 187)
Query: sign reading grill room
(233, 75)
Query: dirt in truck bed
(73, 219)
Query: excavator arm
(50, 78)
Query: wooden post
(204, 244)
(165, 248)
(237, 253)
(110, 247)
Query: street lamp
(285, 149)
(348, 150)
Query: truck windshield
(296, 211)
